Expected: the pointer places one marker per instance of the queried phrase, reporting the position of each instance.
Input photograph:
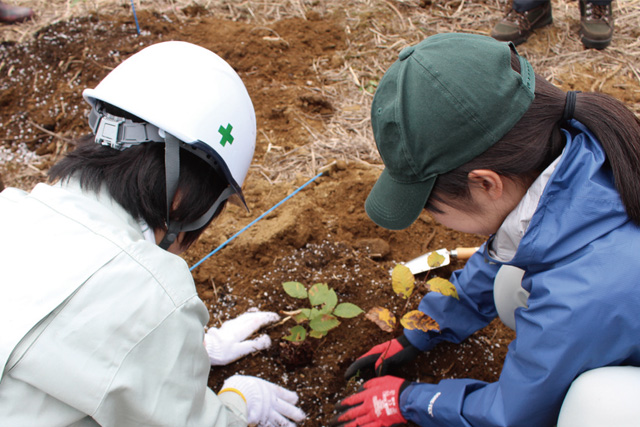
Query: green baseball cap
(445, 101)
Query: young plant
(323, 313)
(403, 283)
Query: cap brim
(396, 205)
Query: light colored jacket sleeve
(127, 351)
(163, 382)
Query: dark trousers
(524, 5)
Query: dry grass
(376, 31)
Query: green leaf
(303, 316)
(297, 334)
(324, 323)
(314, 313)
(295, 289)
(325, 309)
(347, 310)
(318, 334)
(319, 294)
(331, 300)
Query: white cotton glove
(268, 405)
(227, 343)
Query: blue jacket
(581, 259)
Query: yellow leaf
(443, 286)
(383, 318)
(418, 320)
(402, 280)
(435, 260)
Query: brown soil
(320, 235)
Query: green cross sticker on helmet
(226, 134)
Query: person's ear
(488, 181)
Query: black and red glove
(381, 358)
(377, 405)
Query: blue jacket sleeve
(459, 318)
(559, 336)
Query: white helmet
(189, 97)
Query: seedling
(403, 283)
(323, 313)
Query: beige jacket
(98, 325)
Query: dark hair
(536, 140)
(135, 178)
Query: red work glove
(381, 358)
(377, 405)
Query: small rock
(375, 247)
(341, 165)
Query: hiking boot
(12, 14)
(596, 24)
(516, 26)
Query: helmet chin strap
(172, 176)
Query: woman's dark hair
(135, 178)
(536, 140)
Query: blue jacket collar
(578, 205)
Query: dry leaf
(402, 280)
(418, 320)
(443, 286)
(435, 259)
(383, 318)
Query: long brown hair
(536, 140)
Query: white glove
(226, 344)
(268, 404)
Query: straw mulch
(376, 31)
